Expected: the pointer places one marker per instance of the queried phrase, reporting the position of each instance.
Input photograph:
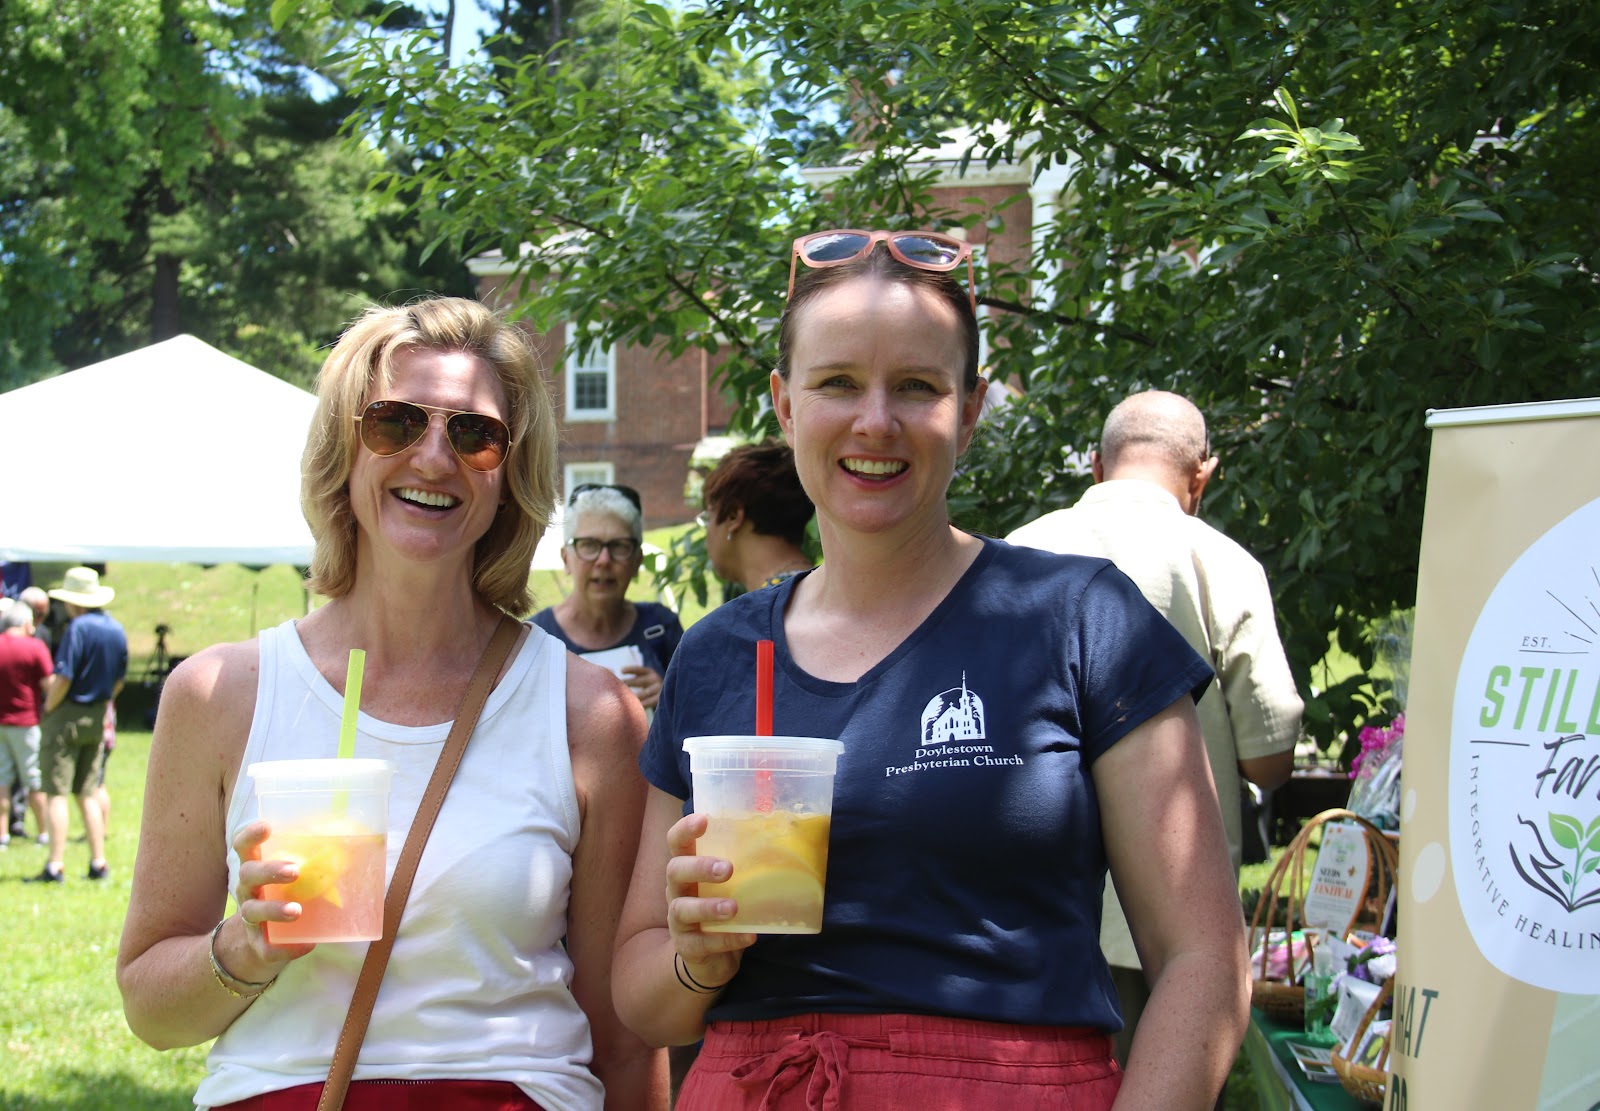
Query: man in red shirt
(24, 666)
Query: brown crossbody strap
(405, 869)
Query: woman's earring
(730, 534)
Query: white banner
(1497, 997)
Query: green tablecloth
(1280, 1085)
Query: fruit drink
(341, 884)
(779, 861)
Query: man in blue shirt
(91, 663)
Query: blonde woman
(428, 476)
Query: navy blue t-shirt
(94, 654)
(965, 865)
(656, 631)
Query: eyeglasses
(626, 491)
(389, 427)
(588, 548)
(925, 250)
(703, 518)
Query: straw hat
(80, 586)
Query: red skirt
(889, 1062)
(398, 1095)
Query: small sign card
(1339, 880)
(1355, 996)
(1315, 1061)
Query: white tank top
(479, 983)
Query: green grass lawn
(66, 1045)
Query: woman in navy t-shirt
(1014, 723)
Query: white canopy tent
(172, 453)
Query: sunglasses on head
(626, 491)
(924, 250)
(479, 440)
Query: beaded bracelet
(224, 977)
(686, 978)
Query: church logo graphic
(955, 715)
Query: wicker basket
(1283, 1000)
(1362, 1081)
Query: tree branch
(1111, 328)
(1044, 93)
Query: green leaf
(1567, 831)
(281, 11)
(1285, 101)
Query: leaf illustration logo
(1569, 833)
(1580, 859)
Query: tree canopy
(1315, 221)
(174, 166)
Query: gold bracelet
(228, 979)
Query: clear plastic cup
(331, 817)
(768, 803)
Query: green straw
(352, 703)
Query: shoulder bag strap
(405, 869)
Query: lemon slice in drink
(777, 894)
(320, 869)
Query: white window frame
(594, 471)
(599, 362)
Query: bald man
(1150, 471)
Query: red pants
(888, 1062)
(398, 1095)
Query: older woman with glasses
(427, 477)
(1013, 722)
(603, 551)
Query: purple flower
(1376, 961)
(1375, 739)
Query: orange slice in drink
(323, 855)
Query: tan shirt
(1215, 593)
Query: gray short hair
(14, 615)
(602, 499)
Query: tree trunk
(165, 319)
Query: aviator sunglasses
(925, 250)
(389, 427)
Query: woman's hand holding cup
(255, 874)
(712, 958)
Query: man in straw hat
(91, 663)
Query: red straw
(763, 688)
(763, 799)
